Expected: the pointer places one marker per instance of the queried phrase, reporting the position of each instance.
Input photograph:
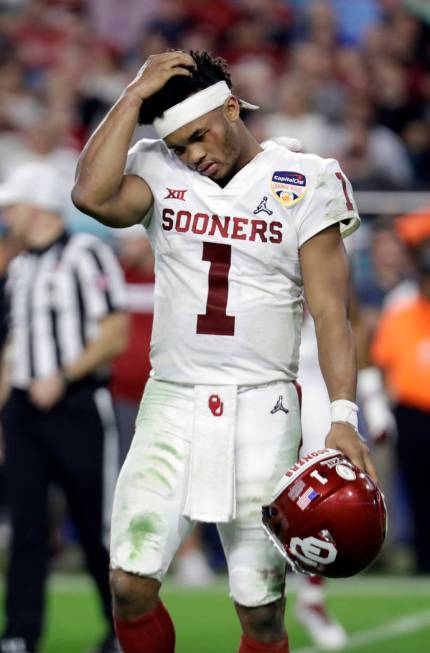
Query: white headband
(195, 106)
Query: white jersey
(228, 297)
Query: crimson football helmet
(327, 516)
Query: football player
(240, 232)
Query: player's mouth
(208, 169)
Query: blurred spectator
(295, 117)
(247, 40)
(402, 350)
(130, 371)
(314, 66)
(219, 14)
(395, 106)
(351, 71)
(389, 266)
(371, 155)
(171, 20)
(413, 228)
(38, 35)
(101, 83)
(355, 18)
(17, 104)
(261, 31)
(320, 24)
(66, 324)
(417, 139)
(255, 80)
(44, 138)
(199, 36)
(151, 40)
(66, 62)
(120, 23)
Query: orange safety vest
(401, 348)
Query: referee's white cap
(37, 183)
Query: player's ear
(231, 108)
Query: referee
(66, 323)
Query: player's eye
(199, 136)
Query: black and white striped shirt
(57, 298)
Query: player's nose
(195, 154)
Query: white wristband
(343, 410)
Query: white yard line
(389, 630)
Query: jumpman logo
(262, 207)
(279, 406)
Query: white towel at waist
(211, 495)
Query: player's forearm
(111, 342)
(337, 354)
(102, 162)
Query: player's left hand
(344, 438)
(46, 392)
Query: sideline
(389, 630)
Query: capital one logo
(313, 551)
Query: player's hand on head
(157, 70)
(344, 438)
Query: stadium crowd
(349, 78)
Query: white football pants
(148, 525)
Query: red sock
(153, 632)
(315, 580)
(248, 645)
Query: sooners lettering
(229, 228)
(300, 463)
(175, 194)
(183, 219)
(216, 406)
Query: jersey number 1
(215, 321)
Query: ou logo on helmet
(313, 551)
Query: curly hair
(210, 70)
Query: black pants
(68, 446)
(413, 448)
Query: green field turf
(381, 615)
